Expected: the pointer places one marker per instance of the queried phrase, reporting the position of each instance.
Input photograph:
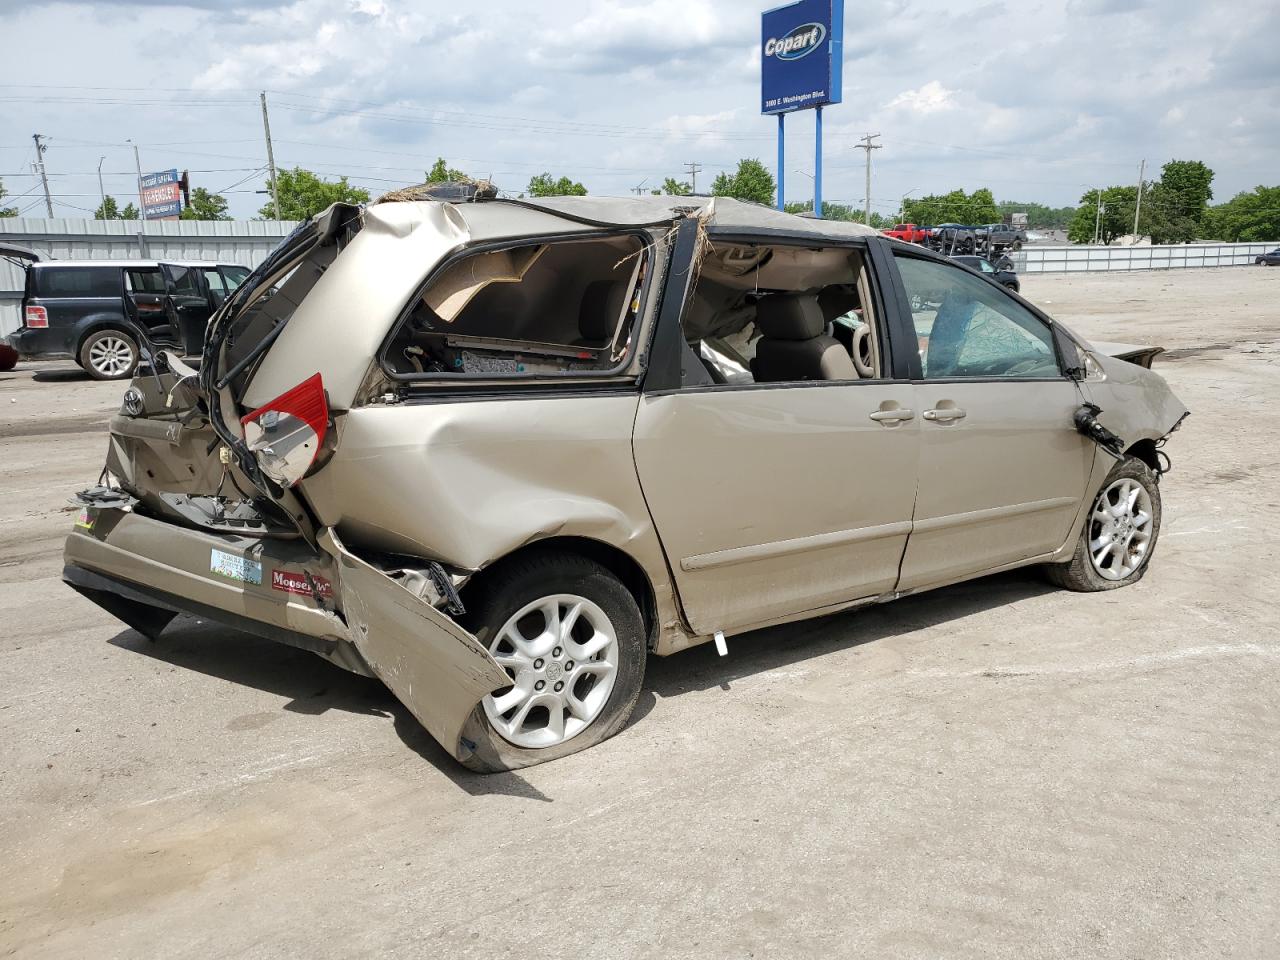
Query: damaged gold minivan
(497, 453)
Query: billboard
(161, 195)
(801, 55)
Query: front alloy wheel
(1120, 529)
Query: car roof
(721, 214)
(128, 263)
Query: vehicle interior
(763, 313)
(561, 308)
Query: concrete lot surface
(996, 770)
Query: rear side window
(78, 282)
(146, 281)
(559, 308)
(235, 276)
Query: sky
(1035, 100)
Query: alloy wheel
(111, 356)
(1120, 529)
(561, 653)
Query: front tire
(572, 639)
(109, 355)
(1119, 534)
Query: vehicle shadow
(60, 376)
(751, 653)
(313, 686)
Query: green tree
(1039, 216)
(441, 172)
(955, 207)
(544, 186)
(1178, 202)
(108, 209)
(1117, 215)
(751, 181)
(130, 212)
(674, 188)
(6, 211)
(841, 211)
(303, 195)
(1246, 217)
(206, 206)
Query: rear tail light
(37, 317)
(285, 435)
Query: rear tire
(570, 695)
(109, 355)
(1119, 533)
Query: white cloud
(930, 98)
(1031, 99)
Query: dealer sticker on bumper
(235, 568)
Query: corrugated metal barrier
(1038, 259)
(246, 242)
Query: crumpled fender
(1137, 404)
(433, 666)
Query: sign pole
(782, 157)
(817, 164)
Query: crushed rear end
(202, 510)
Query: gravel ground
(993, 770)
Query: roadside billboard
(801, 55)
(161, 195)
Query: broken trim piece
(433, 666)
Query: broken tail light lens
(286, 434)
(37, 317)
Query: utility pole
(102, 193)
(271, 159)
(1097, 217)
(694, 169)
(868, 146)
(137, 165)
(1142, 172)
(44, 178)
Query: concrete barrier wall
(246, 242)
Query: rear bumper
(328, 601)
(171, 568)
(43, 342)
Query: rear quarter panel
(466, 482)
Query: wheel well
(97, 325)
(1145, 450)
(617, 562)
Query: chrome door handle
(945, 414)
(892, 416)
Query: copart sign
(800, 55)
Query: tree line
(1174, 208)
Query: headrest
(601, 307)
(837, 300)
(789, 317)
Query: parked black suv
(99, 312)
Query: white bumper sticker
(235, 568)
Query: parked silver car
(497, 453)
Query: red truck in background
(908, 232)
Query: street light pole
(137, 165)
(102, 193)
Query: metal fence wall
(1171, 257)
(246, 242)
